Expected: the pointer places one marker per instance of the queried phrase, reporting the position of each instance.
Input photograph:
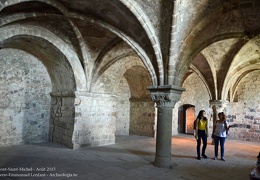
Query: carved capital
(218, 105)
(165, 96)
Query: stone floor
(130, 158)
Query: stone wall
(62, 120)
(196, 94)
(125, 79)
(245, 113)
(142, 117)
(24, 98)
(95, 120)
(122, 107)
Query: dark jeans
(201, 135)
(222, 140)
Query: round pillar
(163, 138)
(165, 98)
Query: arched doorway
(186, 118)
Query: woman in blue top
(201, 132)
(219, 134)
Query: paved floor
(130, 158)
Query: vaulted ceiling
(217, 39)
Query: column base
(163, 162)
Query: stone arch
(251, 47)
(140, 15)
(199, 38)
(186, 60)
(186, 117)
(142, 114)
(241, 65)
(11, 31)
(124, 63)
(54, 4)
(205, 69)
(233, 91)
(111, 54)
(245, 106)
(203, 80)
(137, 48)
(149, 29)
(138, 79)
(233, 79)
(139, 96)
(196, 93)
(56, 65)
(64, 68)
(83, 48)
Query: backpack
(194, 124)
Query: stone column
(217, 106)
(214, 110)
(165, 98)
